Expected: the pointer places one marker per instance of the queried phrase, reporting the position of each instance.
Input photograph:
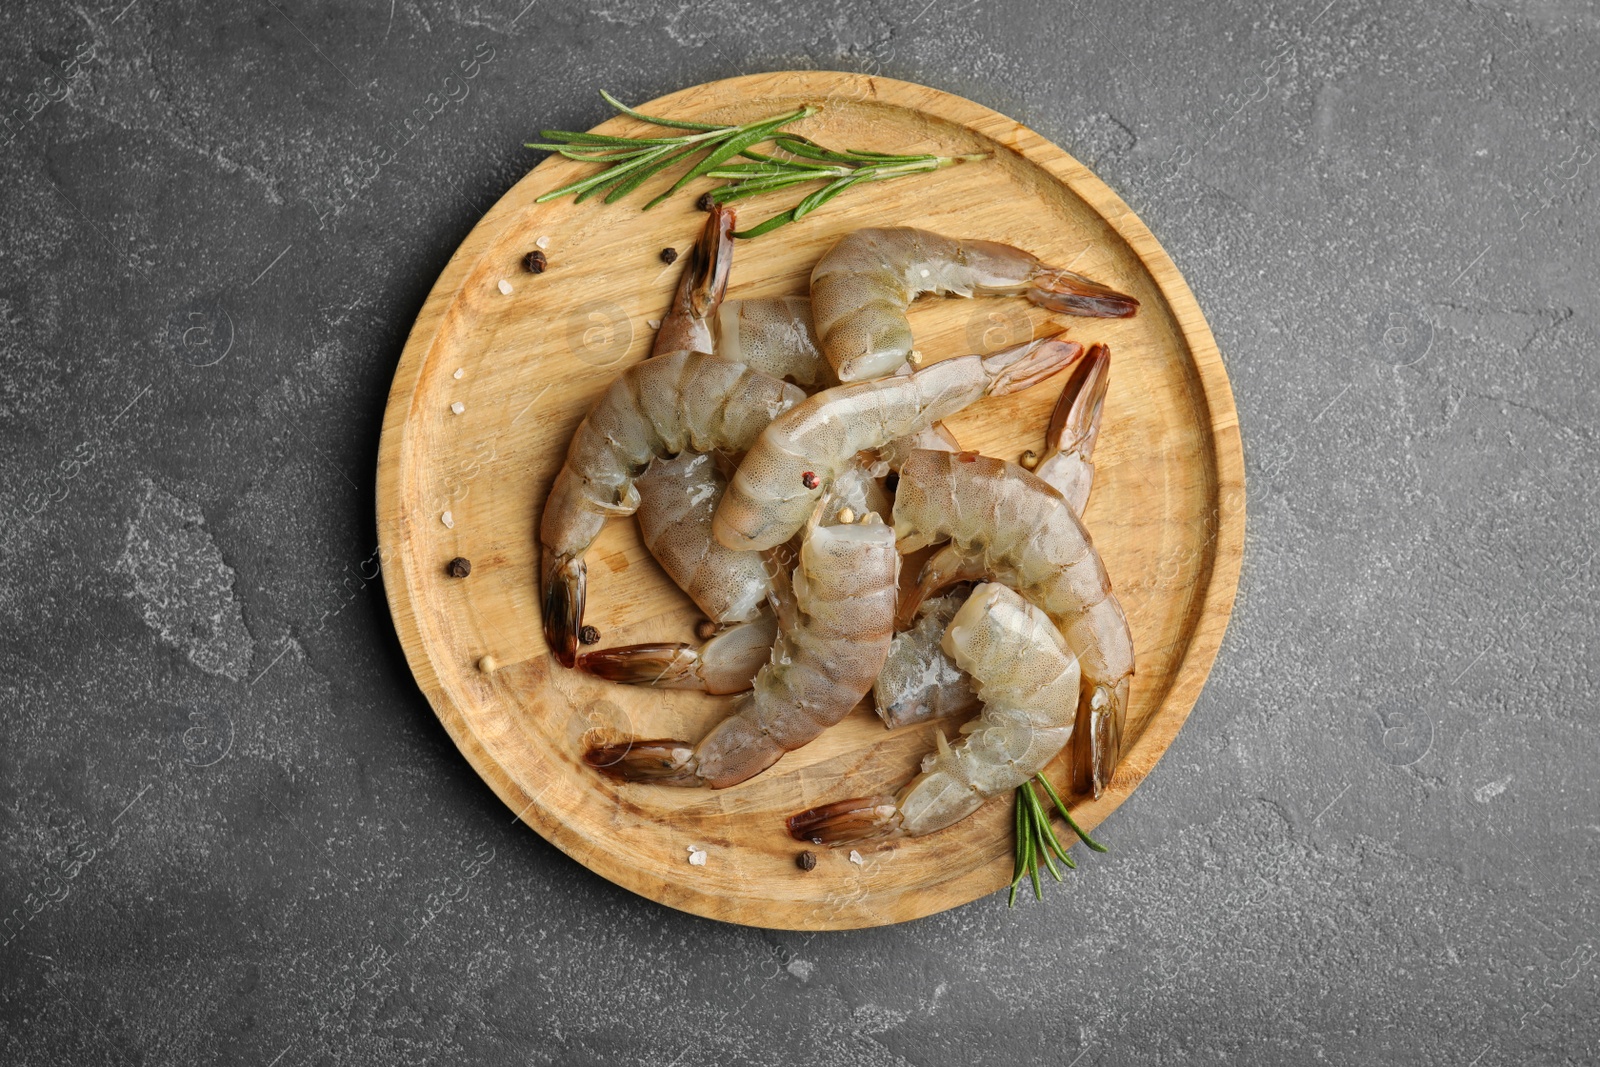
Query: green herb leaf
(641, 176)
(628, 162)
(677, 124)
(1067, 815)
(732, 147)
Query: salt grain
(543, 242)
(449, 520)
(458, 407)
(655, 324)
(697, 856)
(505, 287)
(855, 858)
(459, 372)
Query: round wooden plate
(1167, 512)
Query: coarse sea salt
(449, 520)
(505, 287)
(458, 407)
(855, 858)
(543, 242)
(697, 856)
(459, 372)
(655, 324)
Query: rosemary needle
(629, 162)
(1036, 839)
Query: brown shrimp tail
(1015, 369)
(843, 821)
(726, 664)
(666, 665)
(1097, 739)
(1073, 294)
(1075, 422)
(660, 762)
(687, 325)
(565, 588)
(947, 567)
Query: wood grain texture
(1167, 512)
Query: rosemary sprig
(631, 161)
(1036, 838)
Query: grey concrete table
(231, 830)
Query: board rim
(1215, 603)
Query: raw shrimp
(834, 630)
(679, 402)
(797, 458)
(920, 681)
(1028, 681)
(1005, 524)
(861, 288)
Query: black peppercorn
(460, 567)
(806, 861)
(536, 261)
(589, 635)
(705, 202)
(669, 255)
(891, 481)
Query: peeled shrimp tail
(727, 663)
(687, 325)
(860, 819)
(1097, 742)
(664, 760)
(1073, 294)
(566, 582)
(1015, 369)
(1075, 427)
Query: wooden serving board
(1167, 512)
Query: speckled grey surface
(231, 831)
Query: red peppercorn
(809, 480)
